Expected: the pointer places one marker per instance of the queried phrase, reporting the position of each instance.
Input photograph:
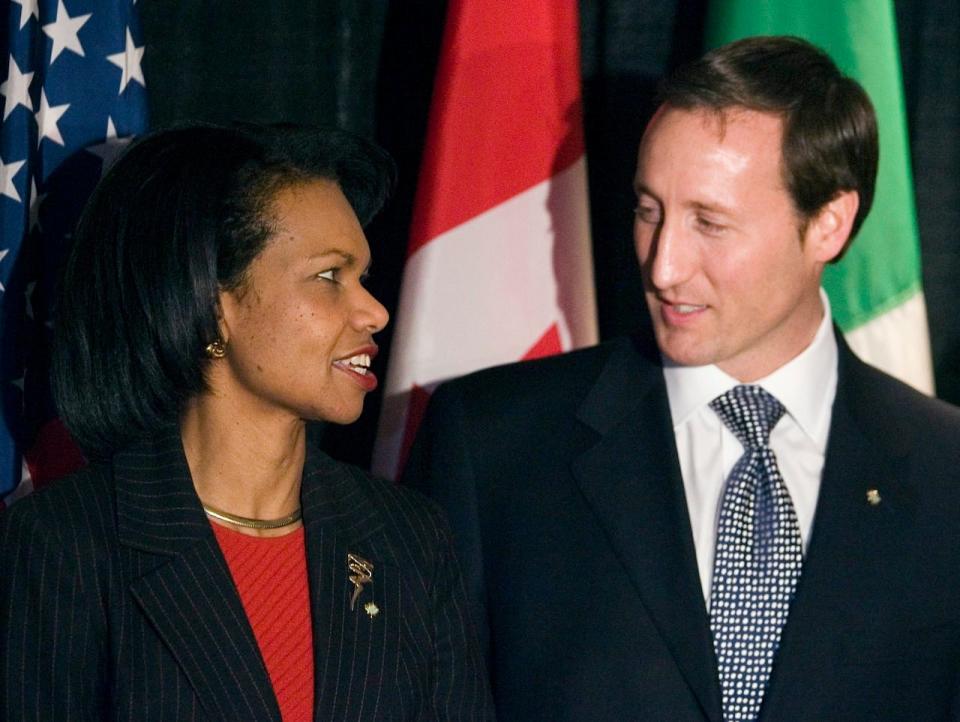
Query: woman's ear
(227, 309)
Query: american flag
(73, 93)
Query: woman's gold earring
(217, 349)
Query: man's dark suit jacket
(563, 487)
(116, 603)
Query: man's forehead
(733, 137)
(716, 120)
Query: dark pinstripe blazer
(116, 602)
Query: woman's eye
(329, 275)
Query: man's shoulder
(554, 379)
(898, 417)
(899, 403)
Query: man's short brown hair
(830, 140)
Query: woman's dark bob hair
(177, 219)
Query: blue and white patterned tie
(758, 557)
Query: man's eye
(709, 227)
(329, 275)
(647, 214)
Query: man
(743, 521)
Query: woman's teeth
(359, 364)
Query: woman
(209, 564)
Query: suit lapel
(182, 584)
(850, 537)
(632, 480)
(352, 647)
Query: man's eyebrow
(712, 207)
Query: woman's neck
(241, 466)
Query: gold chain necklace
(253, 523)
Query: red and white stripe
(499, 266)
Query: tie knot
(750, 413)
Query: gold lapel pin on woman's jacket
(362, 574)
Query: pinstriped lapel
(355, 653)
(187, 592)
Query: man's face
(727, 277)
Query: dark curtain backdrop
(367, 65)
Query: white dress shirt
(805, 386)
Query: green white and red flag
(875, 292)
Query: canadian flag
(499, 265)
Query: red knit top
(271, 577)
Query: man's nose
(670, 261)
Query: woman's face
(299, 332)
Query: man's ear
(828, 231)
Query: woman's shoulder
(374, 506)
(394, 495)
(77, 506)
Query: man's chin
(688, 353)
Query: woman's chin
(341, 416)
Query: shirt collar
(805, 385)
